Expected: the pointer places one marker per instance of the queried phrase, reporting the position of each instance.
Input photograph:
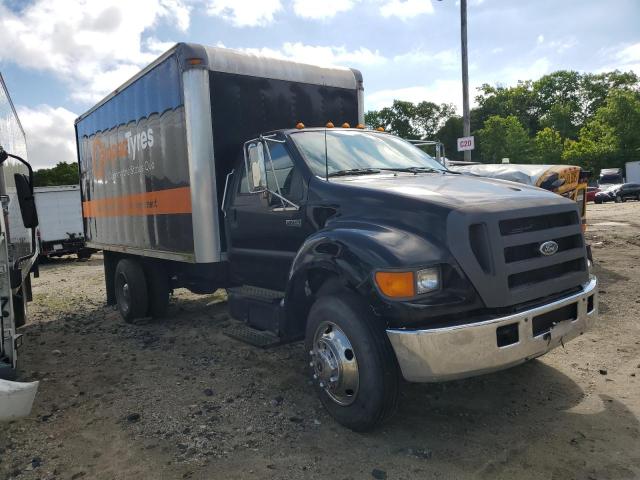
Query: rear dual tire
(342, 331)
(140, 292)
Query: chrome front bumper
(449, 353)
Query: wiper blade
(414, 170)
(354, 171)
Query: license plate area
(545, 322)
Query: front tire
(131, 290)
(351, 361)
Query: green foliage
(548, 146)
(584, 119)
(448, 134)
(610, 138)
(504, 137)
(410, 120)
(62, 174)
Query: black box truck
(213, 168)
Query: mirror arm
(283, 199)
(275, 177)
(224, 194)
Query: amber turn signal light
(396, 284)
(329, 125)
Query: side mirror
(26, 200)
(255, 164)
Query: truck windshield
(352, 152)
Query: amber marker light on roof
(194, 61)
(299, 125)
(380, 129)
(329, 125)
(360, 126)
(346, 125)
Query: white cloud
(440, 91)
(405, 9)
(321, 55)
(540, 39)
(50, 135)
(629, 58)
(245, 13)
(445, 59)
(316, 9)
(94, 46)
(510, 75)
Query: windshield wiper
(354, 171)
(414, 169)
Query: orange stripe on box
(161, 202)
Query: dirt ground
(179, 399)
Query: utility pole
(466, 122)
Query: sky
(60, 57)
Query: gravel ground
(179, 399)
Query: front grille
(532, 250)
(514, 226)
(503, 258)
(538, 275)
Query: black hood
(457, 192)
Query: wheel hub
(335, 368)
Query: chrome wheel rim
(334, 364)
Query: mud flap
(16, 399)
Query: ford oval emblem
(548, 248)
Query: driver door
(265, 232)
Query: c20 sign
(465, 143)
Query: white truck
(18, 255)
(632, 170)
(60, 231)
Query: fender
(353, 250)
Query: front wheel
(352, 363)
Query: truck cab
(453, 276)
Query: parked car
(606, 194)
(591, 193)
(628, 191)
(619, 193)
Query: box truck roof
(244, 63)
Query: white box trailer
(632, 171)
(60, 231)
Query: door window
(283, 175)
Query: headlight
(427, 280)
(408, 284)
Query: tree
(410, 120)
(62, 174)
(548, 146)
(610, 138)
(504, 137)
(448, 134)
